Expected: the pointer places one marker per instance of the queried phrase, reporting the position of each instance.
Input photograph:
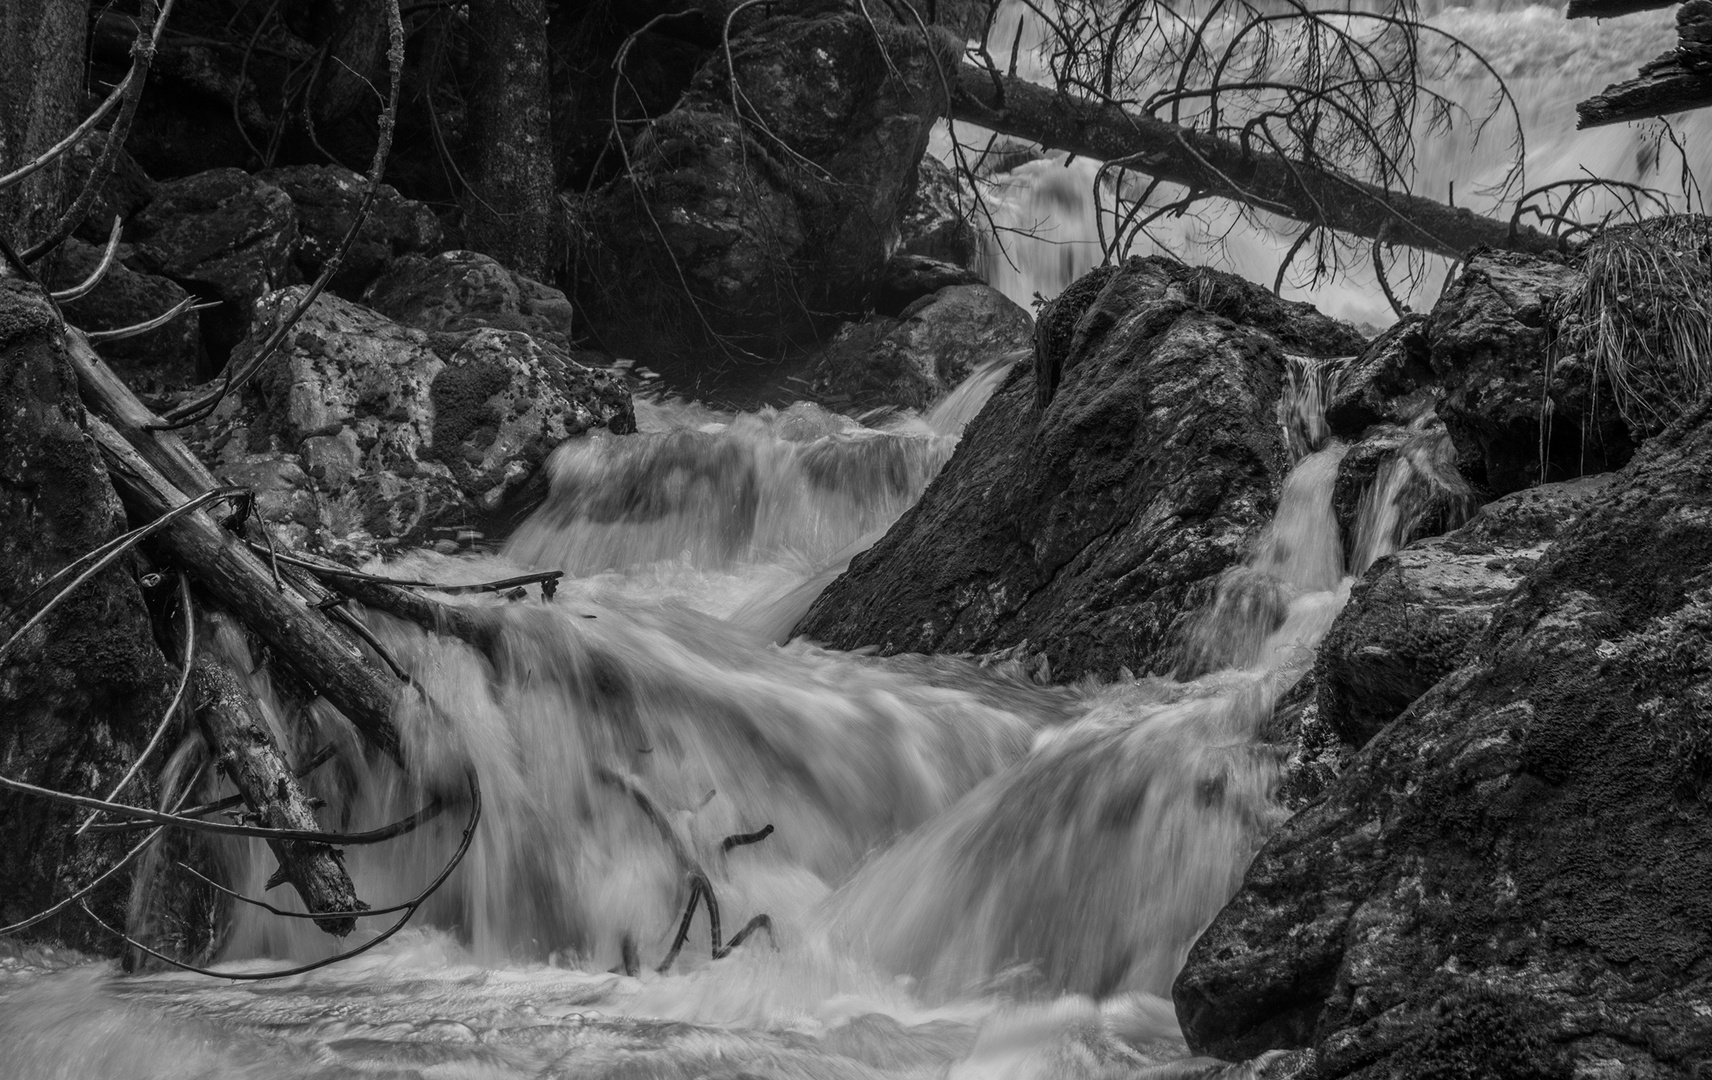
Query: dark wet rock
(1094, 528)
(123, 195)
(908, 278)
(1413, 617)
(464, 290)
(224, 235)
(327, 198)
(782, 221)
(1390, 382)
(79, 693)
(913, 361)
(1491, 346)
(359, 432)
(168, 357)
(1523, 859)
(1410, 470)
(934, 219)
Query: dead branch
(316, 760)
(189, 303)
(1674, 82)
(88, 284)
(410, 908)
(701, 888)
(205, 403)
(155, 468)
(1218, 167)
(239, 739)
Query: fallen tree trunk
(223, 565)
(1610, 9)
(1216, 167)
(247, 755)
(1675, 82)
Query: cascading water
(970, 874)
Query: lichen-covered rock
(1490, 348)
(360, 432)
(222, 234)
(327, 198)
(1092, 529)
(934, 219)
(465, 290)
(916, 359)
(782, 220)
(80, 693)
(171, 356)
(1535, 831)
(1412, 618)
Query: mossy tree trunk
(41, 99)
(511, 208)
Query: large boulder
(465, 290)
(359, 433)
(1520, 866)
(171, 356)
(327, 198)
(1491, 346)
(1091, 529)
(81, 692)
(225, 235)
(776, 222)
(1412, 618)
(917, 358)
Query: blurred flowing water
(970, 875)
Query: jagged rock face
(80, 693)
(169, 356)
(465, 290)
(1490, 348)
(1412, 618)
(784, 219)
(916, 359)
(360, 432)
(223, 234)
(1530, 841)
(1090, 531)
(327, 198)
(1390, 382)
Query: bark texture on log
(1611, 9)
(1677, 81)
(236, 578)
(511, 209)
(1209, 165)
(247, 755)
(41, 97)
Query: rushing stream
(970, 875)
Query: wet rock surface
(361, 432)
(934, 219)
(464, 290)
(1092, 529)
(1413, 617)
(81, 691)
(1520, 863)
(917, 358)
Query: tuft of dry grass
(1640, 320)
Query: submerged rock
(1092, 529)
(360, 431)
(1523, 859)
(917, 358)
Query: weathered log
(247, 755)
(473, 625)
(1210, 165)
(1679, 80)
(1611, 9)
(235, 577)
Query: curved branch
(88, 284)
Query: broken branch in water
(410, 910)
(316, 760)
(700, 887)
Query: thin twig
(88, 284)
